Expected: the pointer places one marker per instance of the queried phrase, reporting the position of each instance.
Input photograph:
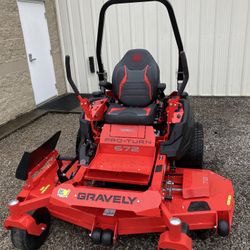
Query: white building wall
(215, 33)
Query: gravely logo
(107, 198)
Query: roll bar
(183, 73)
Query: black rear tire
(194, 156)
(78, 139)
(22, 240)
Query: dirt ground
(226, 124)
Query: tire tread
(194, 156)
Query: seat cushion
(118, 114)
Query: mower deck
(196, 197)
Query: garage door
(215, 34)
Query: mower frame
(158, 197)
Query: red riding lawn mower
(138, 164)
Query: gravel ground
(227, 152)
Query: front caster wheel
(107, 237)
(223, 228)
(22, 240)
(96, 236)
(202, 234)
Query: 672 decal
(133, 149)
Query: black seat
(135, 85)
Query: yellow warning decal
(44, 189)
(229, 200)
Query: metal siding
(215, 33)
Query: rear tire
(78, 136)
(21, 239)
(78, 139)
(194, 156)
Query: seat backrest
(136, 78)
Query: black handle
(69, 76)
(185, 73)
(91, 64)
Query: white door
(38, 48)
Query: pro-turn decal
(107, 198)
(44, 189)
(128, 140)
(63, 193)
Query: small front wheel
(107, 237)
(97, 235)
(21, 239)
(223, 228)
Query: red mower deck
(183, 193)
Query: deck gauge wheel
(223, 228)
(107, 237)
(96, 235)
(21, 239)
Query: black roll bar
(183, 74)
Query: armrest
(162, 87)
(106, 85)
